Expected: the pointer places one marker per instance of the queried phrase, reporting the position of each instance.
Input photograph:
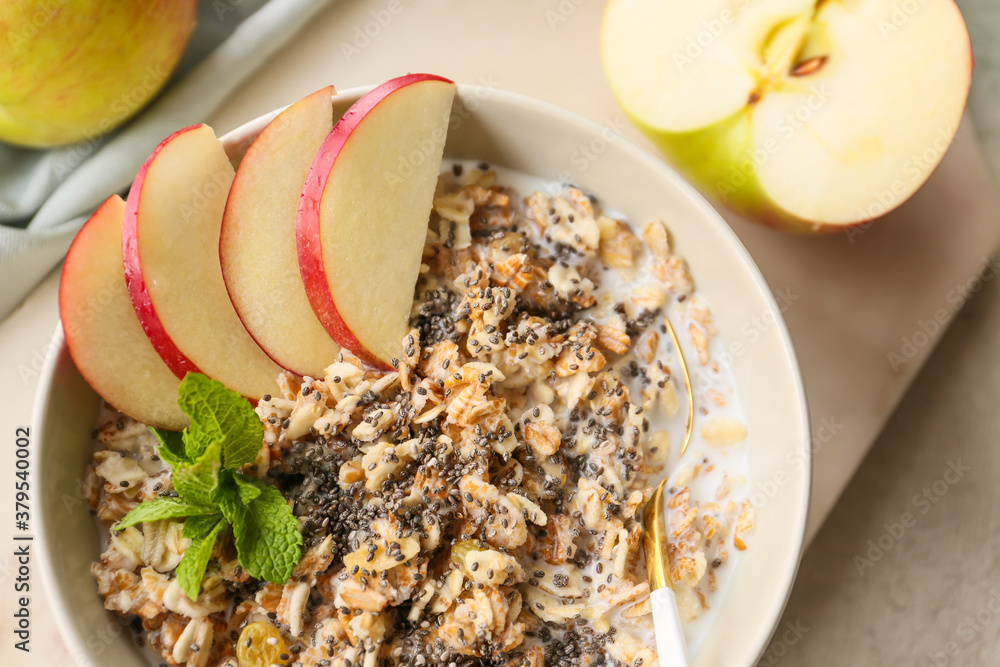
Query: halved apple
(104, 336)
(364, 211)
(257, 246)
(170, 245)
(802, 114)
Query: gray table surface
(906, 570)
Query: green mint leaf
(232, 508)
(227, 497)
(197, 527)
(196, 481)
(171, 449)
(226, 487)
(162, 508)
(219, 415)
(248, 487)
(197, 441)
(191, 569)
(267, 536)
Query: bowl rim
(244, 133)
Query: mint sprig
(225, 434)
(162, 508)
(191, 569)
(267, 536)
(222, 416)
(195, 480)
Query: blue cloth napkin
(45, 196)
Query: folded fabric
(54, 191)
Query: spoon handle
(669, 633)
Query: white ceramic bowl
(537, 139)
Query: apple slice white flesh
(795, 112)
(170, 245)
(104, 336)
(363, 215)
(257, 245)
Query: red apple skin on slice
(257, 245)
(151, 324)
(364, 210)
(170, 246)
(103, 334)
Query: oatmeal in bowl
(476, 499)
(481, 502)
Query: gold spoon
(688, 385)
(666, 619)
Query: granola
(481, 503)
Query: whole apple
(75, 69)
(801, 115)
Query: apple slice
(257, 246)
(170, 245)
(364, 210)
(797, 113)
(104, 336)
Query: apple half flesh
(363, 215)
(257, 247)
(170, 246)
(103, 334)
(800, 114)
